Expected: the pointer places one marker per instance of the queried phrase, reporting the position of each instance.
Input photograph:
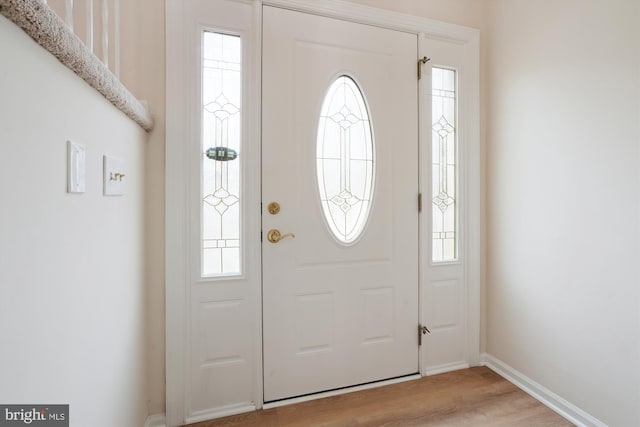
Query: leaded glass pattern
(444, 159)
(221, 124)
(345, 159)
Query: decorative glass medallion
(345, 159)
(221, 124)
(443, 163)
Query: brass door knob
(274, 235)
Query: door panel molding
(177, 266)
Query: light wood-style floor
(475, 397)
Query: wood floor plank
(475, 397)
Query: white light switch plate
(76, 168)
(114, 176)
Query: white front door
(340, 158)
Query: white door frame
(177, 180)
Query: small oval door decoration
(345, 159)
(221, 154)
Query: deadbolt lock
(273, 208)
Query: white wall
(563, 207)
(72, 305)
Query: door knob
(274, 235)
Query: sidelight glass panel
(221, 139)
(345, 160)
(444, 165)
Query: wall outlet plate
(76, 168)
(114, 176)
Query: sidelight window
(221, 140)
(444, 165)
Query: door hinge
(260, 236)
(419, 202)
(422, 61)
(422, 330)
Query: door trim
(177, 180)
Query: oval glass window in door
(345, 159)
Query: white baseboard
(157, 420)
(448, 367)
(568, 410)
(224, 411)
